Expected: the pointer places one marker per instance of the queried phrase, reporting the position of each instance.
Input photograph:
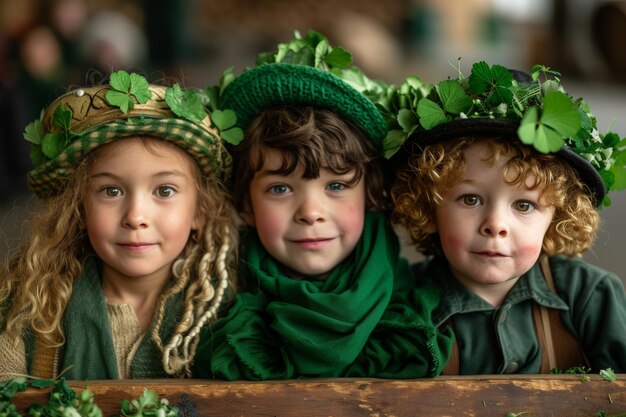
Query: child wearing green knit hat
(319, 255)
(133, 250)
(499, 178)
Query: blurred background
(49, 46)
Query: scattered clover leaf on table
(608, 374)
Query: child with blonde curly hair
(133, 250)
(503, 203)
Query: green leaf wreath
(548, 117)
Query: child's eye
(111, 191)
(279, 189)
(470, 200)
(523, 206)
(336, 186)
(165, 191)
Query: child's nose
(135, 214)
(310, 210)
(495, 223)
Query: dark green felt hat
(533, 108)
(310, 72)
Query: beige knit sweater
(126, 333)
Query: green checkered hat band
(283, 84)
(209, 153)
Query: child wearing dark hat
(321, 259)
(500, 179)
(133, 250)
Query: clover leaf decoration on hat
(124, 87)
(546, 117)
(125, 91)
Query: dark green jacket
(503, 340)
(88, 352)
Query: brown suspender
(563, 355)
(557, 344)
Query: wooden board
(489, 395)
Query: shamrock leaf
(234, 135)
(10, 387)
(140, 88)
(393, 142)
(320, 51)
(227, 77)
(34, 132)
(338, 58)
(62, 118)
(42, 383)
(618, 169)
(119, 99)
(608, 374)
(453, 97)
(185, 103)
(559, 120)
(430, 114)
(305, 56)
(124, 87)
(37, 156)
(210, 97)
(53, 144)
(359, 81)
(495, 83)
(407, 120)
(225, 121)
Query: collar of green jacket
(88, 352)
(456, 298)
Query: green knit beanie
(308, 72)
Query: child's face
(308, 225)
(140, 207)
(491, 232)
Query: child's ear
(431, 227)
(247, 214)
(198, 221)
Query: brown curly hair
(431, 172)
(316, 138)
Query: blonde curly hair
(36, 283)
(431, 172)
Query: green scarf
(88, 352)
(342, 326)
